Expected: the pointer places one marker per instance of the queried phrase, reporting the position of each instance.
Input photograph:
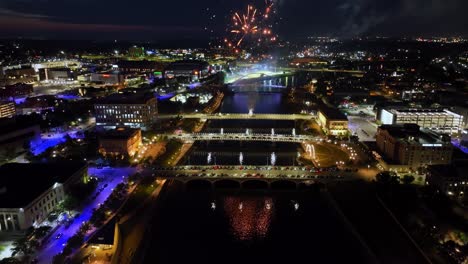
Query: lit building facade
(443, 121)
(130, 110)
(7, 109)
(332, 121)
(20, 210)
(411, 147)
(120, 141)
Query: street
(110, 176)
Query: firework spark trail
(253, 24)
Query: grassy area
(172, 150)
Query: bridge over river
(242, 137)
(237, 116)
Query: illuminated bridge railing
(228, 116)
(244, 137)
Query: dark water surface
(249, 227)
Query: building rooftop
(119, 133)
(412, 133)
(458, 169)
(428, 111)
(21, 183)
(8, 125)
(127, 98)
(332, 113)
(105, 235)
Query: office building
(120, 141)
(20, 209)
(136, 110)
(409, 147)
(443, 121)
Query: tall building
(7, 109)
(443, 121)
(136, 110)
(410, 147)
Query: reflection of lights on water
(249, 218)
(208, 159)
(241, 158)
(213, 206)
(273, 159)
(296, 206)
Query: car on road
(59, 235)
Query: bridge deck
(243, 137)
(236, 116)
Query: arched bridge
(219, 176)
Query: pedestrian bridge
(243, 137)
(236, 116)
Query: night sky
(202, 19)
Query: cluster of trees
(172, 147)
(389, 178)
(112, 203)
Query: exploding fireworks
(251, 27)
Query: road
(110, 176)
(363, 127)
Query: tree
(68, 204)
(23, 246)
(42, 231)
(408, 179)
(85, 227)
(387, 178)
(75, 241)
